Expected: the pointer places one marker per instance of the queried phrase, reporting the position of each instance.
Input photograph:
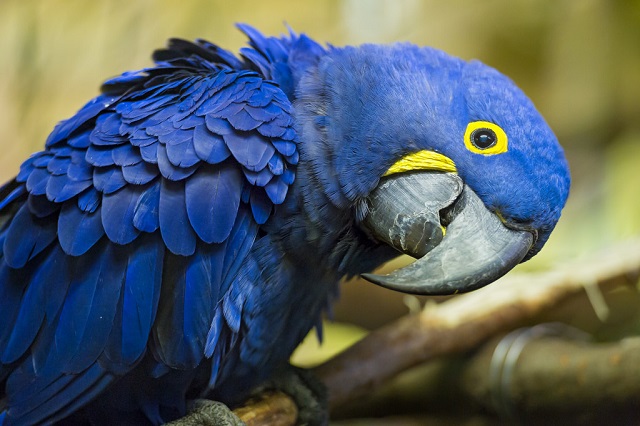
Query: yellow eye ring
(483, 137)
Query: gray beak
(408, 211)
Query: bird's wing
(123, 234)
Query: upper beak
(409, 211)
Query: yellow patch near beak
(422, 160)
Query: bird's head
(443, 159)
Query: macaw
(186, 228)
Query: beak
(409, 211)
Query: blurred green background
(579, 60)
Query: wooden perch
(517, 378)
(468, 320)
(556, 375)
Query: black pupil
(483, 138)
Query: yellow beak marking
(422, 160)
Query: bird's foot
(203, 412)
(308, 393)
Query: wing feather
(125, 233)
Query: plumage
(251, 150)
(140, 294)
(25, 237)
(40, 293)
(108, 179)
(146, 213)
(79, 230)
(62, 188)
(212, 216)
(117, 213)
(89, 200)
(176, 231)
(209, 147)
(184, 230)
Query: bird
(182, 232)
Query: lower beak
(408, 211)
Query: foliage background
(578, 60)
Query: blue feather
(140, 174)
(170, 347)
(146, 214)
(175, 228)
(80, 140)
(118, 210)
(149, 153)
(26, 168)
(202, 282)
(140, 295)
(264, 113)
(232, 108)
(260, 205)
(106, 131)
(219, 126)
(58, 165)
(260, 178)
(89, 309)
(26, 237)
(242, 120)
(41, 159)
(99, 156)
(285, 148)
(64, 129)
(11, 291)
(89, 200)
(84, 388)
(212, 198)
(289, 134)
(262, 99)
(78, 230)
(276, 165)
(37, 181)
(141, 138)
(221, 55)
(80, 171)
(277, 189)
(272, 129)
(44, 295)
(183, 154)
(251, 150)
(257, 60)
(62, 188)
(239, 244)
(126, 155)
(164, 130)
(12, 196)
(293, 158)
(189, 122)
(213, 336)
(175, 137)
(288, 176)
(209, 147)
(108, 179)
(232, 311)
(57, 396)
(170, 171)
(219, 101)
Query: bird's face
(449, 160)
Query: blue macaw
(183, 232)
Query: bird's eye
(483, 137)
